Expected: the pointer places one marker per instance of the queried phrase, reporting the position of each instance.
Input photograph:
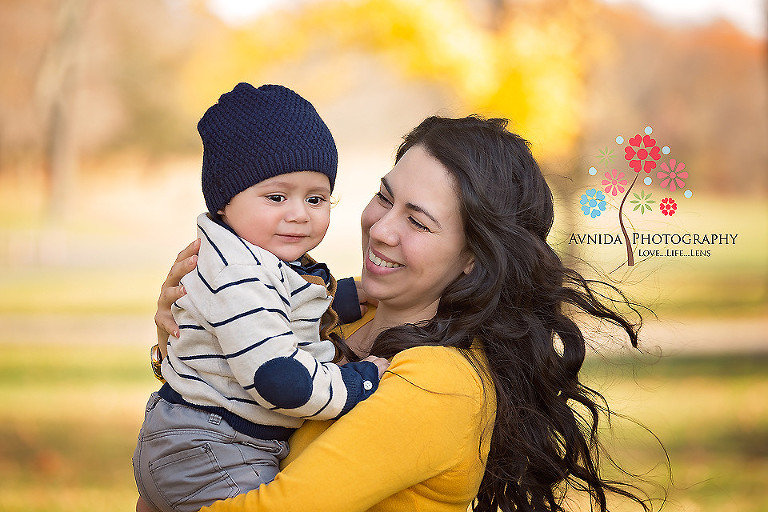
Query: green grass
(69, 421)
(79, 291)
(71, 413)
(710, 415)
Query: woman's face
(413, 236)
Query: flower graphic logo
(668, 206)
(641, 153)
(640, 149)
(642, 202)
(593, 202)
(672, 175)
(615, 182)
(606, 155)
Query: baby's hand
(381, 363)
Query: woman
(473, 311)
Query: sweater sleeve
(346, 302)
(425, 418)
(251, 318)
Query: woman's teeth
(380, 262)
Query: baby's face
(287, 214)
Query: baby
(253, 356)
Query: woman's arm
(425, 419)
(171, 291)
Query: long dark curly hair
(519, 301)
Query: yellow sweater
(418, 444)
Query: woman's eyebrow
(411, 206)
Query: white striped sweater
(249, 340)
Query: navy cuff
(361, 380)
(346, 303)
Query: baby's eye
(277, 198)
(315, 200)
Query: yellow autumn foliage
(528, 64)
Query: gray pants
(187, 458)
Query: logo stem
(630, 254)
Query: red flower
(639, 158)
(668, 206)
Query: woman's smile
(382, 262)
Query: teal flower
(593, 202)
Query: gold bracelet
(156, 361)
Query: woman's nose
(384, 230)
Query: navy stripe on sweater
(192, 327)
(223, 259)
(235, 354)
(313, 320)
(301, 288)
(247, 313)
(260, 342)
(241, 281)
(322, 408)
(247, 248)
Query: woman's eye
(418, 225)
(276, 198)
(381, 197)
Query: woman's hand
(363, 298)
(171, 291)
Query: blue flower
(593, 202)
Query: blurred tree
(524, 60)
(24, 28)
(105, 78)
(55, 87)
(84, 80)
(704, 90)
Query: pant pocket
(192, 478)
(261, 460)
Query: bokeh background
(99, 189)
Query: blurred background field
(70, 419)
(99, 188)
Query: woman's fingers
(192, 248)
(171, 291)
(185, 262)
(163, 317)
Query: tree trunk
(56, 88)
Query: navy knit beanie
(254, 134)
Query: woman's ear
(470, 264)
